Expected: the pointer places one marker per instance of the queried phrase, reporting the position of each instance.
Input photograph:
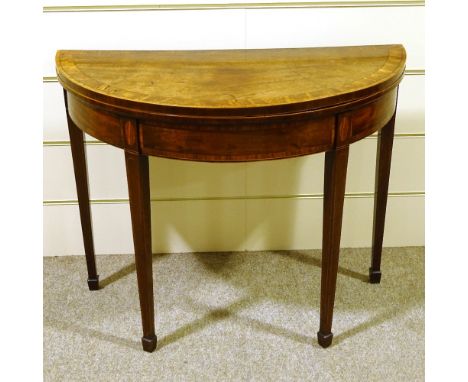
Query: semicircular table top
(245, 82)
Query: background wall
(243, 206)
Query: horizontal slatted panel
(234, 224)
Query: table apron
(227, 139)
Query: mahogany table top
(244, 82)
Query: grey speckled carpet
(236, 317)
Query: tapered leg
(382, 175)
(81, 178)
(138, 190)
(336, 163)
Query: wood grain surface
(241, 82)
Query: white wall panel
(410, 112)
(54, 116)
(171, 178)
(213, 29)
(304, 175)
(168, 178)
(276, 28)
(230, 225)
(213, 225)
(112, 230)
(407, 172)
(176, 227)
(297, 223)
(106, 171)
(58, 180)
(182, 179)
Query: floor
(243, 316)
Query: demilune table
(233, 106)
